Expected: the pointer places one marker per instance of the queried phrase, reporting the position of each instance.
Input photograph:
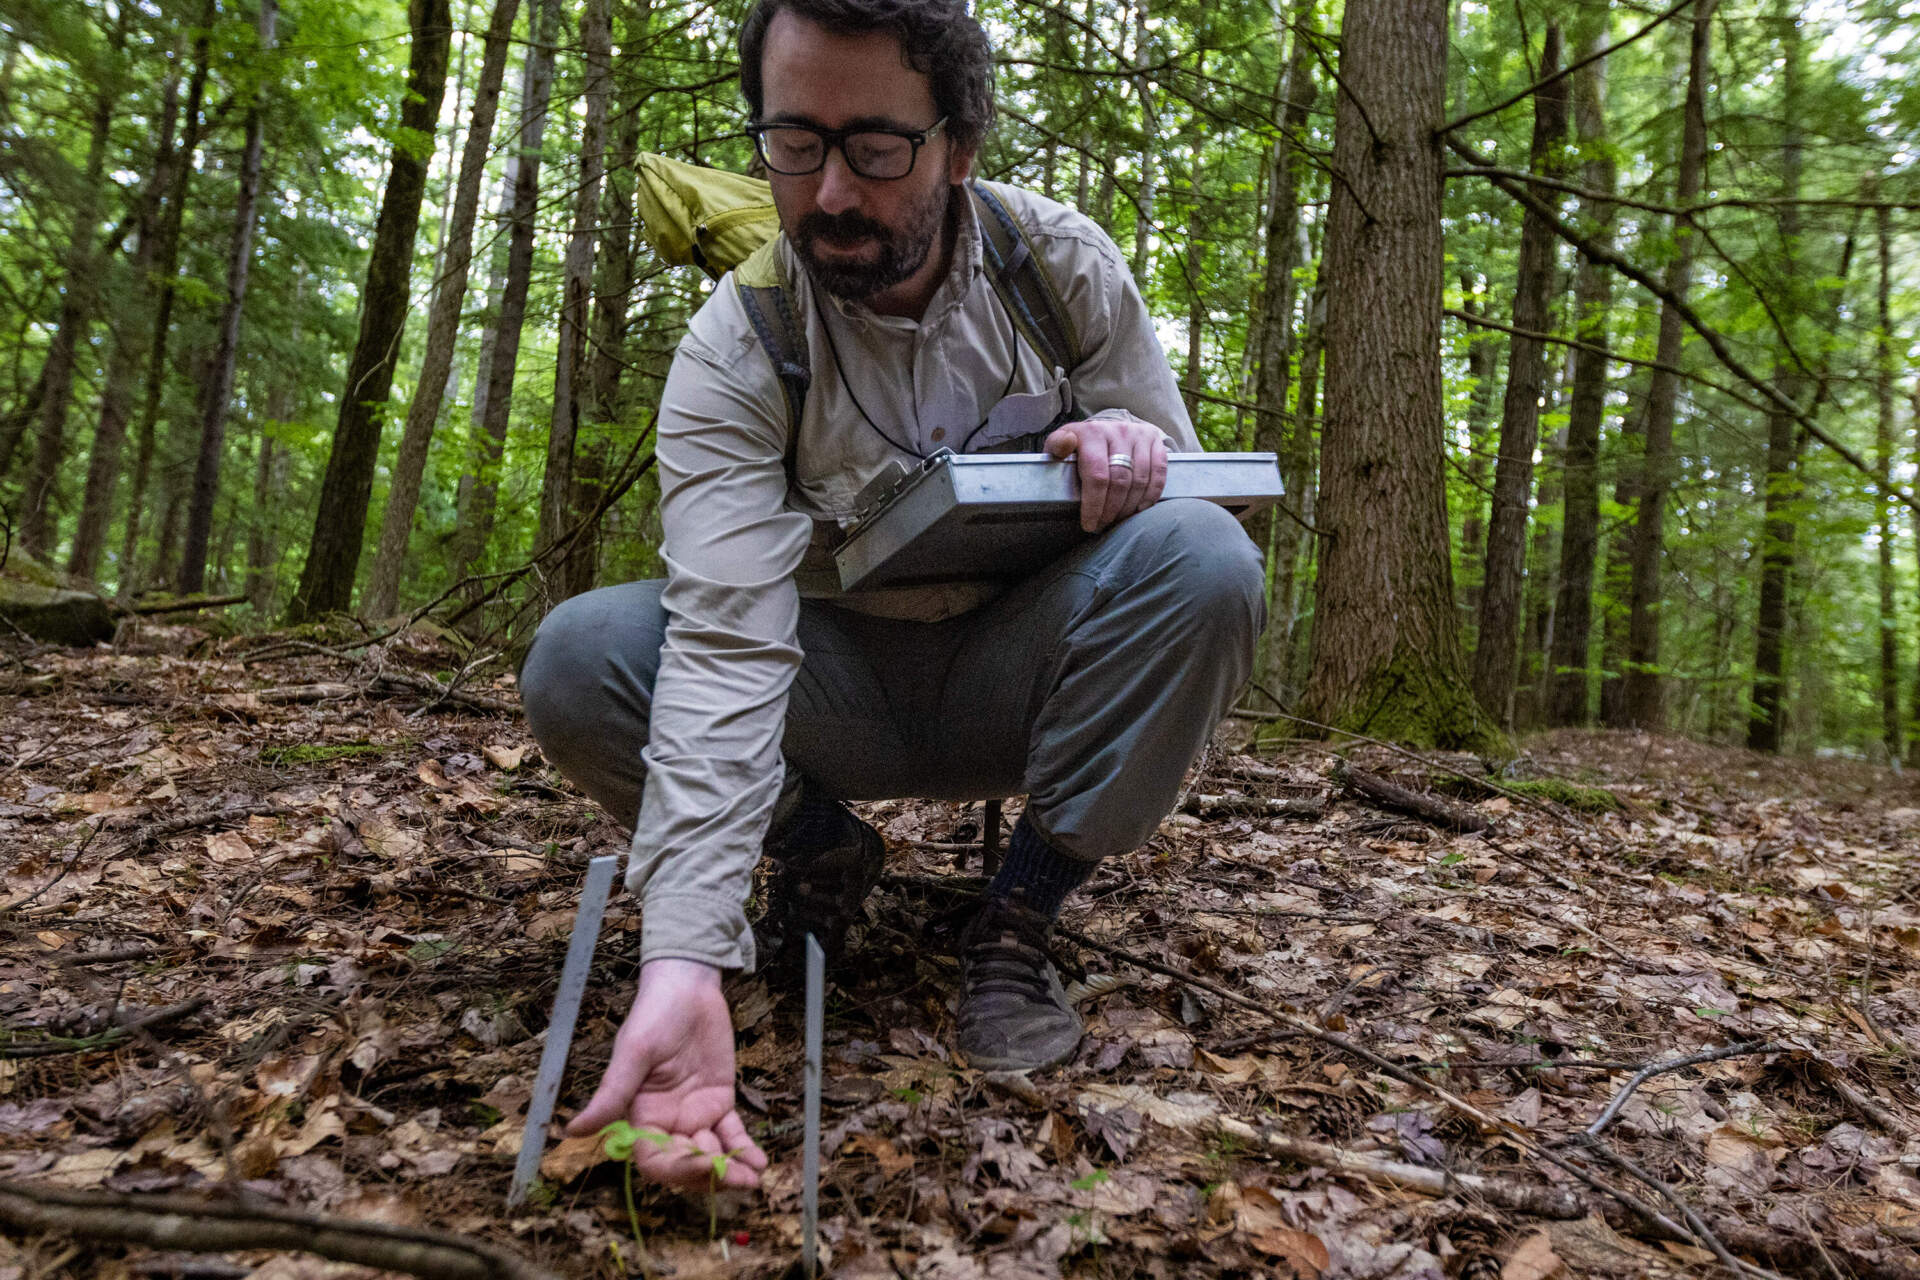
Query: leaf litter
(370, 899)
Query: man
(726, 716)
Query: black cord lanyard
(826, 323)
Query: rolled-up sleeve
(719, 700)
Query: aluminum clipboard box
(978, 517)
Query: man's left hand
(1122, 464)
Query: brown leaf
(1303, 1249)
(503, 757)
(571, 1158)
(1533, 1260)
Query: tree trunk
(1386, 645)
(1641, 688)
(326, 582)
(123, 367)
(493, 389)
(1149, 149)
(570, 365)
(1570, 677)
(1913, 743)
(1483, 364)
(1890, 726)
(613, 298)
(77, 308)
(443, 323)
(1274, 430)
(1495, 655)
(166, 272)
(1766, 726)
(219, 391)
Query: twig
(1862, 1102)
(115, 956)
(325, 691)
(178, 1222)
(1653, 1069)
(1701, 1230)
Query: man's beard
(902, 252)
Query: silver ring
(1120, 460)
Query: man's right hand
(672, 1072)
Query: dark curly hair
(941, 39)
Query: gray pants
(1089, 687)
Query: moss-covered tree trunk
(1386, 645)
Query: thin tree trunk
(1305, 499)
(219, 390)
(1149, 149)
(326, 582)
(123, 367)
(493, 392)
(1641, 685)
(1083, 169)
(1913, 742)
(1766, 726)
(1570, 680)
(269, 492)
(1386, 645)
(443, 324)
(1483, 365)
(1890, 726)
(77, 308)
(166, 273)
(570, 367)
(1496, 655)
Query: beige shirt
(736, 531)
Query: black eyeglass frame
(830, 139)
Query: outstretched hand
(672, 1072)
(1110, 492)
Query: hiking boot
(826, 862)
(1014, 1015)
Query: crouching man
(728, 718)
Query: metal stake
(566, 1009)
(810, 1168)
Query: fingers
(687, 1162)
(625, 1072)
(748, 1158)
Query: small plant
(618, 1140)
(1089, 1221)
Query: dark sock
(1036, 873)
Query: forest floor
(279, 935)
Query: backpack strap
(1023, 283)
(770, 310)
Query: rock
(56, 615)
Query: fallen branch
(56, 1046)
(1377, 791)
(1234, 802)
(177, 1222)
(157, 831)
(327, 691)
(1863, 1103)
(184, 604)
(1653, 1069)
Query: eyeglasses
(796, 150)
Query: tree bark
(123, 367)
(443, 323)
(493, 390)
(1496, 655)
(1766, 725)
(1569, 677)
(219, 390)
(326, 581)
(1891, 730)
(570, 366)
(1641, 685)
(1386, 645)
(1913, 743)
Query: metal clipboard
(1000, 516)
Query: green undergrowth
(1592, 800)
(320, 752)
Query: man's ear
(960, 164)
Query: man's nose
(839, 185)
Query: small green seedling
(618, 1140)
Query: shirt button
(939, 434)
